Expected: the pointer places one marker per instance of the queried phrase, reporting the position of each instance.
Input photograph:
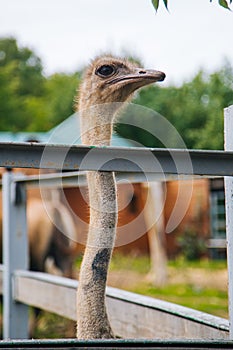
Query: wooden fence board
(131, 315)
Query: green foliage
(223, 3)
(195, 109)
(60, 90)
(156, 4)
(28, 100)
(21, 83)
(192, 246)
(25, 65)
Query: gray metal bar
(137, 160)
(228, 129)
(54, 180)
(100, 344)
(15, 256)
(78, 179)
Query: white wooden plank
(131, 315)
(134, 321)
(228, 136)
(52, 293)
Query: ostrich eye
(105, 70)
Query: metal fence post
(15, 255)
(228, 135)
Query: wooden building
(185, 207)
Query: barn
(194, 201)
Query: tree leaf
(224, 4)
(166, 3)
(155, 3)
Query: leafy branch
(223, 3)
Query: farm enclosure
(189, 323)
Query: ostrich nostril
(142, 72)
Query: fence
(132, 316)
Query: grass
(142, 264)
(207, 300)
(127, 263)
(53, 326)
(209, 265)
(195, 295)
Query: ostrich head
(110, 79)
(107, 83)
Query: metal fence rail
(133, 163)
(117, 344)
(119, 159)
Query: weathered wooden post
(228, 134)
(15, 255)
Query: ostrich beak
(138, 78)
(149, 75)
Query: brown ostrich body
(108, 82)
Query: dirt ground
(198, 277)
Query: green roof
(68, 132)
(7, 136)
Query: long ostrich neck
(92, 316)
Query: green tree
(27, 67)
(60, 90)
(28, 100)
(195, 109)
(21, 83)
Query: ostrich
(107, 83)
